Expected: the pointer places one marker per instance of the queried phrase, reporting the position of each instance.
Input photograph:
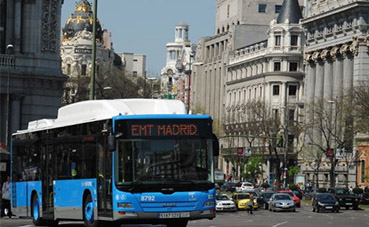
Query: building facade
(31, 80)
(176, 75)
(76, 51)
(271, 72)
(337, 59)
(239, 24)
(134, 64)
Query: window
(294, 40)
(277, 8)
(262, 8)
(292, 89)
(228, 10)
(293, 66)
(275, 113)
(134, 73)
(291, 115)
(68, 69)
(362, 171)
(134, 59)
(277, 66)
(277, 40)
(275, 89)
(83, 71)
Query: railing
(7, 60)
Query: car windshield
(343, 191)
(282, 197)
(326, 197)
(222, 197)
(243, 196)
(267, 195)
(163, 161)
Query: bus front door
(104, 182)
(48, 165)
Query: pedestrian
(250, 204)
(6, 199)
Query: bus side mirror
(215, 145)
(111, 142)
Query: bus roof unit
(95, 110)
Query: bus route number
(147, 198)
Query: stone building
(31, 80)
(239, 24)
(175, 76)
(270, 71)
(134, 64)
(337, 59)
(76, 51)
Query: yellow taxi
(242, 200)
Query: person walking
(251, 204)
(6, 199)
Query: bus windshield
(169, 161)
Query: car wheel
(355, 207)
(347, 207)
(294, 210)
(337, 211)
(317, 209)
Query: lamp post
(285, 146)
(9, 50)
(92, 79)
(333, 158)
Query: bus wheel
(178, 223)
(37, 220)
(88, 212)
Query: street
(304, 217)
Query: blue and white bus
(108, 162)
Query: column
(348, 72)
(17, 25)
(328, 79)
(338, 77)
(310, 82)
(319, 81)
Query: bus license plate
(175, 215)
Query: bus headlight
(124, 205)
(209, 204)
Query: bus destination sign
(165, 128)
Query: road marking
(282, 223)
(328, 216)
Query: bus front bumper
(192, 215)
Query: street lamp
(285, 145)
(333, 158)
(9, 50)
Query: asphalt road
(304, 217)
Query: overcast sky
(145, 26)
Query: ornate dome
(81, 19)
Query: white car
(224, 203)
(246, 186)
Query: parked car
(228, 187)
(281, 201)
(325, 201)
(224, 203)
(266, 197)
(364, 198)
(245, 186)
(242, 199)
(293, 196)
(345, 198)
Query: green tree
(253, 168)
(293, 170)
